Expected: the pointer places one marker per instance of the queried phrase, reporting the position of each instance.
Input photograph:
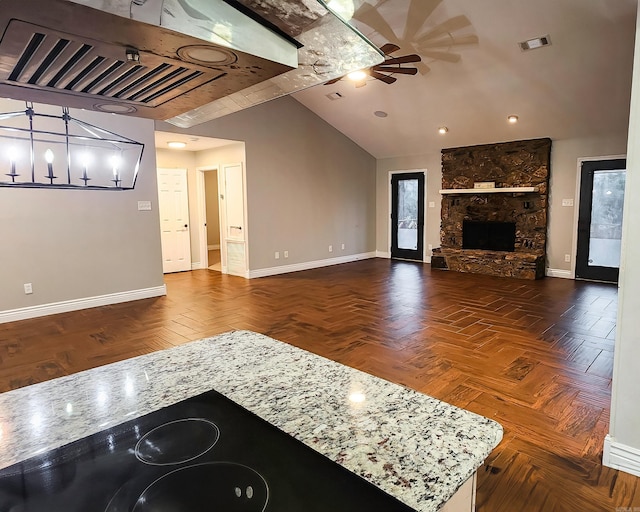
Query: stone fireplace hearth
(523, 168)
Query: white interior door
(174, 220)
(234, 222)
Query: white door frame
(389, 206)
(202, 215)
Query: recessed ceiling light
(357, 76)
(114, 108)
(442, 130)
(176, 145)
(537, 42)
(512, 119)
(380, 113)
(207, 55)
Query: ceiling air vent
(537, 42)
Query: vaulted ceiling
(474, 74)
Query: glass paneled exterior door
(600, 220)
(407, 216)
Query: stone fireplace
(500, 229)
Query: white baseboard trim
(13, 315)
(564, 274)
(308, 265)
(196, 265)
(619, 456)
(213, 247)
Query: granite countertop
(412, 446)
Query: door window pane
(606, 218)
(408, 214)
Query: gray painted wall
(624, 428)
(74, 244)
(564, 174)
(308, 186)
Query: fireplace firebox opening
(490, 236)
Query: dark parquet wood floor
(535, 356)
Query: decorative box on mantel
(520, 171)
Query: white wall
(564, 174)
(74, 244)
(308, 186)
(622, 446)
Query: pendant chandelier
(39, 150)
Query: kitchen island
(416, 448)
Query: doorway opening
(407, 215)
(212, 220)
(602, 184)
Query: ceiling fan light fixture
(442, 130)
(357, 76)
(512, 119)
(343, 8)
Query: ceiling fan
(385, 71)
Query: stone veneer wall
(509, 164)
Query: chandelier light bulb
(48, 156)
(12, 153)
(115, 164)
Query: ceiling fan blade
(446, 27)
(384, 78)
(447, 42)
(419, 11)
(368, 15)
(446, 56)
(389, 48)
(333, 81)
(391, 69)
(405, 59)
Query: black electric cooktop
(203, 454)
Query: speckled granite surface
(414, 447)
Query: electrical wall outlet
(331, 248)
(342, 247)
(277, 255)
(286, 254)
(432, 204)
(28, 288)
(567, 258)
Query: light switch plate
(144, 206)
(567, 202)
(432, 204)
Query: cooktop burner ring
(177, 442)
(236, 488)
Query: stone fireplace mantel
(520, 171)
